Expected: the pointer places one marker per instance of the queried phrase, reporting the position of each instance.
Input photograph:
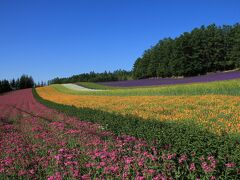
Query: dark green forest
(117, 75)
(205, 49)
(23, 82)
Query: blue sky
(50, 38)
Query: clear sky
(50, 38)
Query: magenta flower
(31, 171)
(129, 160)
(61, 150)
(141, 162)
(102, 164)
(76, 173)
(139, 178)
(213, 178)
(150, 171)
(192, 167)
(182, 159)
(230, 165)
(86, 177)
(21, 172)
(57, 157)
(206, 167)
(51, 178)
(56, 176)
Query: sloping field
(204, 129)
(171, 81)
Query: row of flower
(217, 113)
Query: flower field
(217, 113)
(40, 143)
(50, 133)
(202, 130)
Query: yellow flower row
(217, 113)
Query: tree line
(205, 49)
(23, 82)
(117, 75)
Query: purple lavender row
(219, 76)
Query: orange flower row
(217, 113)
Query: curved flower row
(217, 113)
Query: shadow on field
(178, 137)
